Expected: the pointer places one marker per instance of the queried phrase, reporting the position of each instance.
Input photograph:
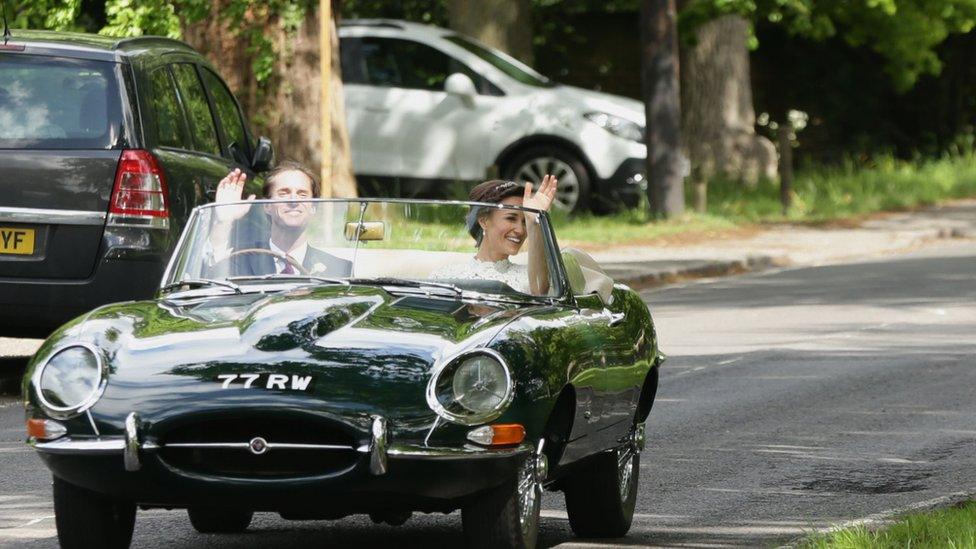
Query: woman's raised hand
(542, 199)
(230, 189)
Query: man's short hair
(289, 166)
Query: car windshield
(508, 65)
(419, 246)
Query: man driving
(285, 250)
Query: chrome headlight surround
(619, 126)
(99, 380)
(442, 397)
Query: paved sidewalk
(785, 245)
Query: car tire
(601, 496)
(87, 519)
(219, 521)
(506, 516)
(531, 164)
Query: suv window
(393, 62)
(228, 115)
(170, 124)
(198, 109)
(51, 103)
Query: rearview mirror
(367, 230)
(263, 155)
(460, 84)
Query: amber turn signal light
(502, 434)
(45, 429)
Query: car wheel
(87, 519)
(219, 521)
(600, 497)
(507, 516)
(573, 190)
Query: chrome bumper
(379, 450)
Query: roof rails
(376, 23)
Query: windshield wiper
(391, 281)
(202, 282)
(279, 276)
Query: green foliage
(851, 189)
(433, 12)
(954, 527)
(904, 32)
(139, 17)
(44, 14)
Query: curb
(707, 269)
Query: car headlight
(70, 381)
(473, 388)
(621, 127)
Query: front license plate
(16, 241)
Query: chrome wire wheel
(568, 188)
(529, 495)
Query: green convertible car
(372, 369)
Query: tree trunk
(286, 106)
(502, 24)
(662, 105)
(719, 118)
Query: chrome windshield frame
(560, 278)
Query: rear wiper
(391, 281)
(280, 276)
(202, 282)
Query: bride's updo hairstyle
(492, 191)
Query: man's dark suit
(256, 264)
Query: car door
(210, 161)
(235, 141)
(406, 120)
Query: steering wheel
(286, 258)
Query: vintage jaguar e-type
(361, 382)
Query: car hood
(591, 101)
(366, 351)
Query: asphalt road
(792, 400)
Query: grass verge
(954, 527)
(825, 194)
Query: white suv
(427, 106)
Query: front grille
(295, 448)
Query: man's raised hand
(230, 190)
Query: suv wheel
(532, 164)
(87, 519)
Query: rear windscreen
(57, 103)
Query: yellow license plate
(16, 241)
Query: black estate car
(106, 145)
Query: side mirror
(585, 275)
(263, 155)
(460, 84)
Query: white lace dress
(513, 274)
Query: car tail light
(45, 429)
(501, 434)
(139, 197)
